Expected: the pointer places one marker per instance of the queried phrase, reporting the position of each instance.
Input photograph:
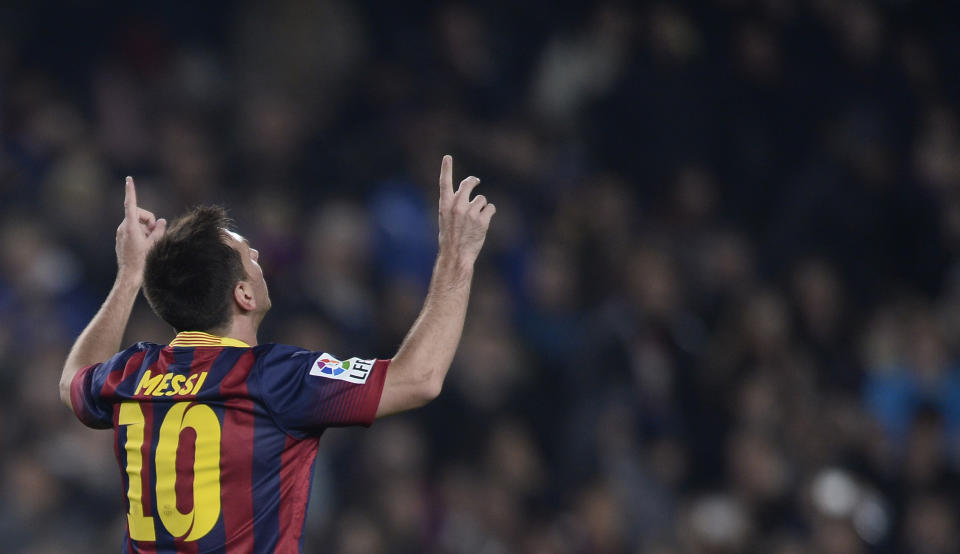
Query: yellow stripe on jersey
(199, 338)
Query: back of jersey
(216, 439)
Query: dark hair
(191, 272)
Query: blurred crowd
(718, 310)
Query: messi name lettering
(170, 384)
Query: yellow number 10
(206, 471)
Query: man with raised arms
(215, 433)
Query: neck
(242, 327)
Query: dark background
(718, 309)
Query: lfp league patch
(353, 370)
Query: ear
(243, 296)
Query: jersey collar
(199, 338)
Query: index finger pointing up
(446, 177)
(130, 200)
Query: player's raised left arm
(138, 231)
(418, 370)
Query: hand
(463, 222)
(138, 231)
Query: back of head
(191, 272)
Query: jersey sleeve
(92, 391)
(306, 392)
(85, 396)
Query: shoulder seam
(257, 367)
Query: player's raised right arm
(417, 372)
(100, 340)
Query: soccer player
(216, 434)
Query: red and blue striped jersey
(216, 439)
